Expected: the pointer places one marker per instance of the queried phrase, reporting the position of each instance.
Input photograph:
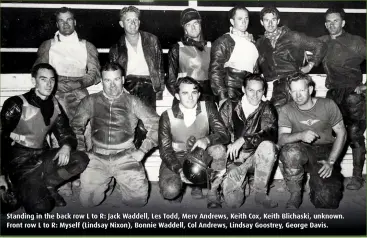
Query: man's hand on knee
(234, 148)
(326, 169)
(63, 155)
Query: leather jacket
(153, 56)
(220, 78)
(288, 55)
(342, 62)
(113, 122)
(10, 116)
(260, 125)
(218, 133)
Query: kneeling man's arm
(165, 144)
(341, 137)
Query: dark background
(28, 28)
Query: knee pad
(325, 195)
(355, 134)
(219, 154)
(171, 188)
(290, 155)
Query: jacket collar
(238, 109)
(122, 41)
(178, 113)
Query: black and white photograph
(183, 118)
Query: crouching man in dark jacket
(186, 119)
(34, 169)
(253, 126)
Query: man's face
(334, 23)
(240, 20)
(301, 93)
(44, 82)
(66, 23)
(270, 22)
(188, 95)
(193, 29)
(130, 22)
(112, 82)
(254, 92)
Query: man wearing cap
(190, 56)
(233, 57)
(342, 64)
(139, 53)
(185, 120)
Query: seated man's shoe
(294, 201)
(197, 193)
(59, 200)
(355, 183)
(265, 201)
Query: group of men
(218, 119)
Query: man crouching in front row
(253, 126)
(114, 115)
(188, 127)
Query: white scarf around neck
(247, 107)
(189, 115)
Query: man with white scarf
(253, 127)
(75, 60)
(183, 128)
(233, 57)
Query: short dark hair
(111, 66)
(233, 11)
(187, 80)
(125, 10)
(259, 78)
(338, 10)
(64, 10)
(272, 10)
(37, 67)
(300, 76)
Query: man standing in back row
(233, 58)
(282, 52)
(139, 53)
(342, 64)
(190, 56)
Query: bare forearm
(337, 147)
(287, 138)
